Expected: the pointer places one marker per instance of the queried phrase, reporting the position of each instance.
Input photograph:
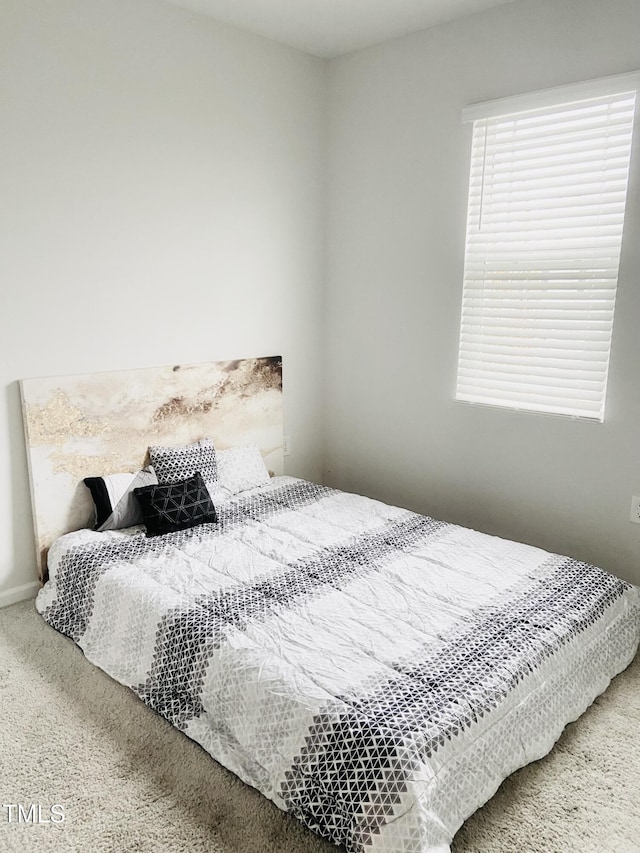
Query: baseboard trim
(18, 593)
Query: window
(547, 195)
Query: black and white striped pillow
(115, 504)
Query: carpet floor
(127, 781)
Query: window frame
(508, 108)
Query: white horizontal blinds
(546, 208)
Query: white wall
(398, 168)
(162, 189)
(162, 201)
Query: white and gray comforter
(374, 672)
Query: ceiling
(329, 28)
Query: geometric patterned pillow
(172, 464)
(176, 506)
(115, 504)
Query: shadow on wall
(23, 543)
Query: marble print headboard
(102, 423)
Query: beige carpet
(128, 781)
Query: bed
(374, 672)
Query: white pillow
(241, 468)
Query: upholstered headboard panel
(101, 423)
